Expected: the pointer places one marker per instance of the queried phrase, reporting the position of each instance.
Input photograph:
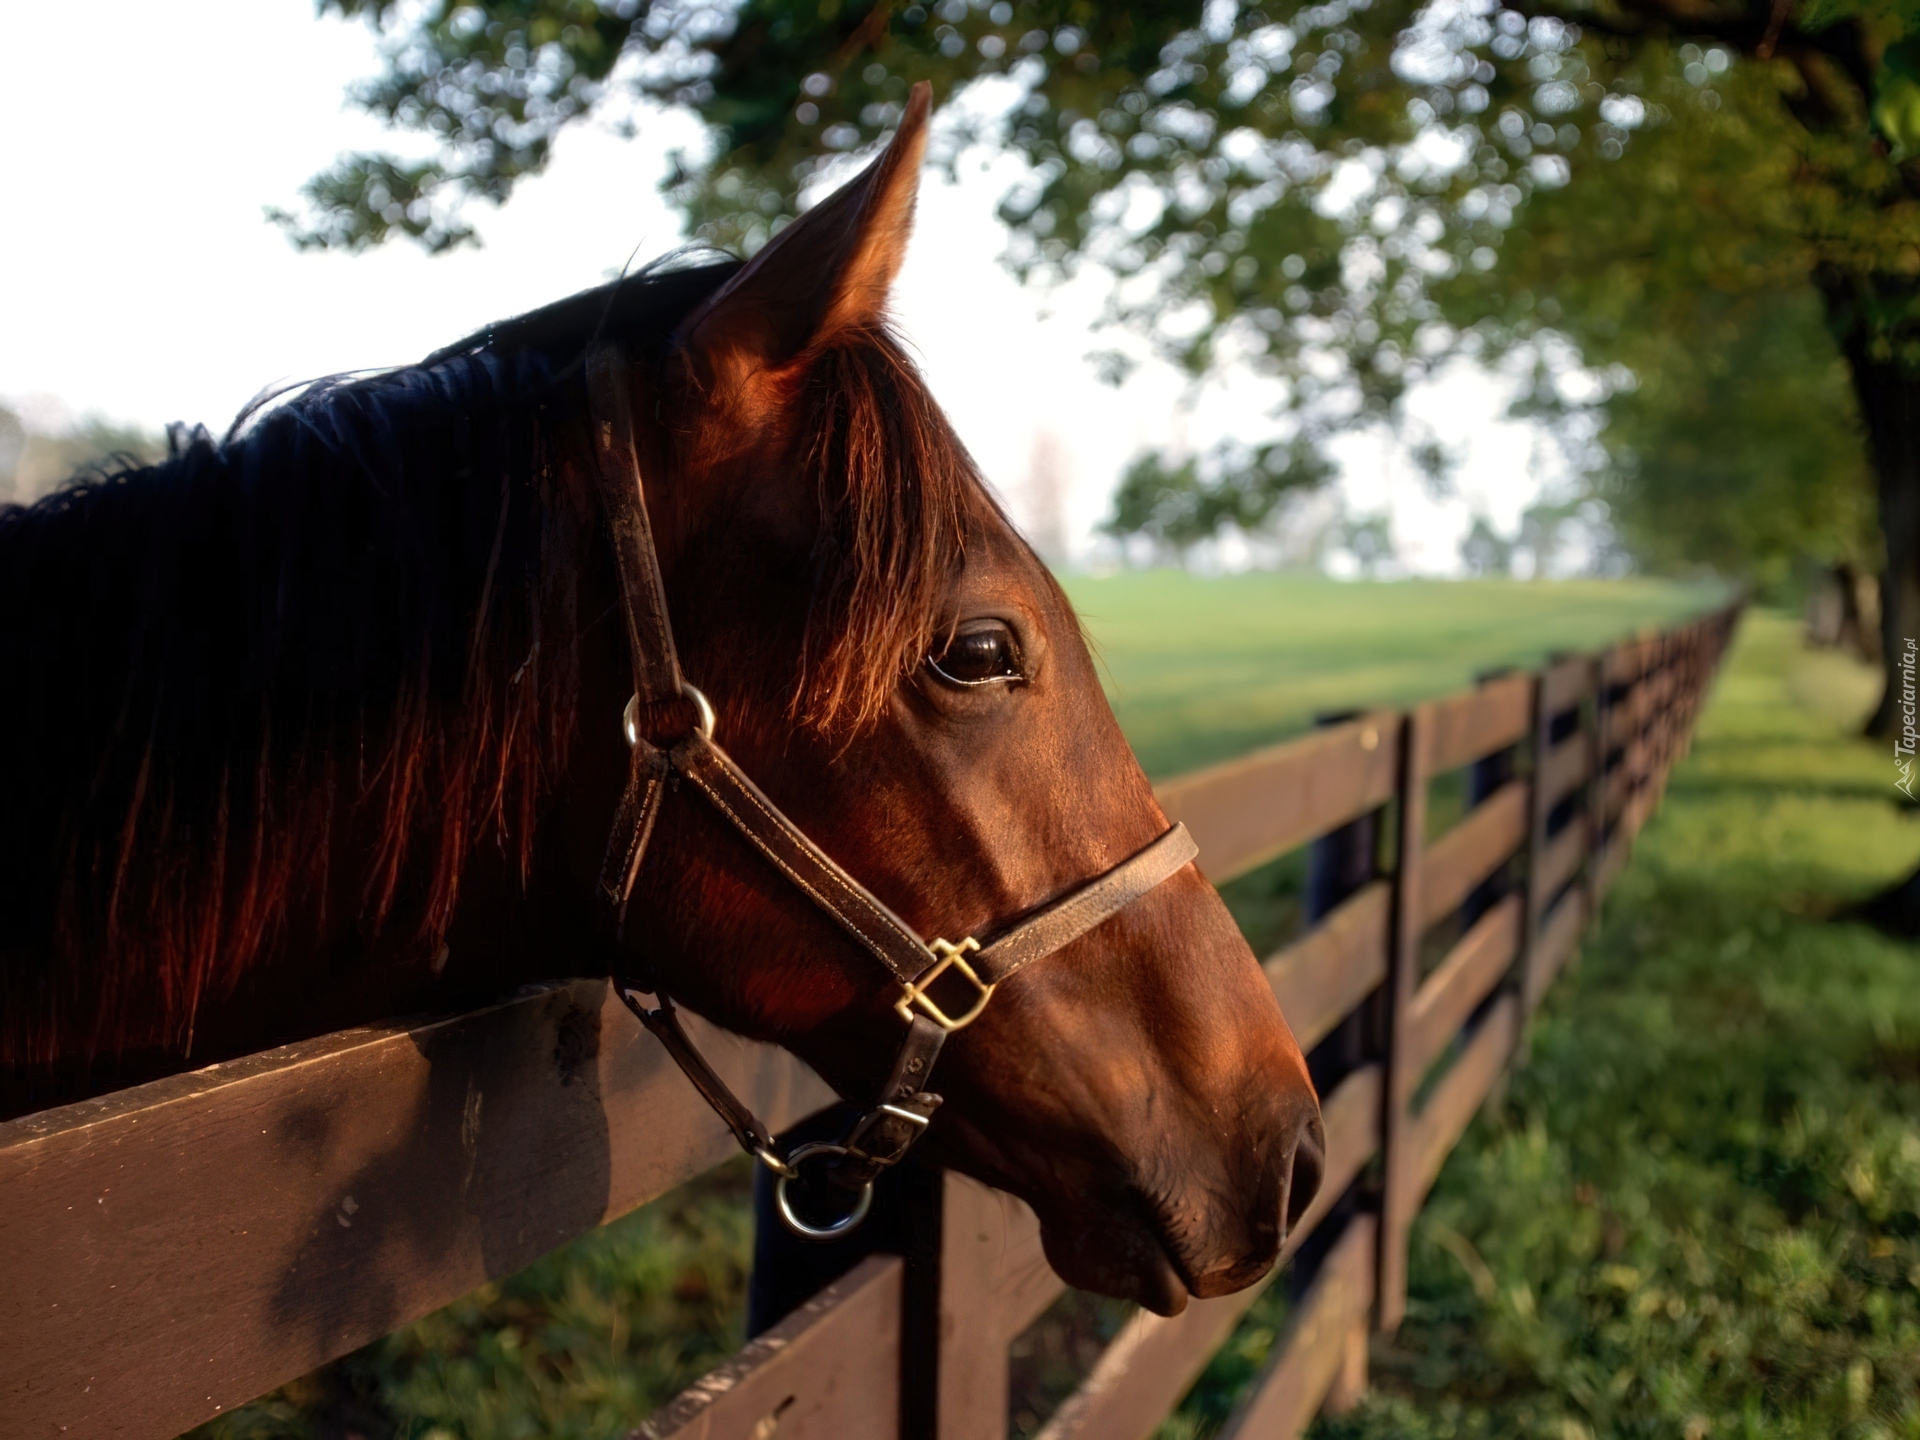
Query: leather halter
(881, 1136)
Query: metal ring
(851, 1221)
(703, 710)
(702, 715)
(774, 1163)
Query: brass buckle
(948, 955)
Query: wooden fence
(172, 1250)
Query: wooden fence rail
(175, 1249)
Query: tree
(1340, 195)
(1486, 551)
(1179, 505)
(1727, 432)
(1369, 540)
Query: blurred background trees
(39, 452)
(1694, 222)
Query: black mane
(222, 665)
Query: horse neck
(278, 699)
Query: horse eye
(980, 655)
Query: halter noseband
(881, 1135)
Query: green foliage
(1729, 437)
(1741, 451)
(1339, 195)
(1696, 1211)
(1485, 552)
(1896, 99)
(493, 86)
(1199, 151)
(1180, 505)
(1369, 539)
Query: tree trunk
(1889, 395)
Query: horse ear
(826, 274)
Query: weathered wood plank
(994, 1282)
(1560, 861)
(1322, 976)
(1153, 1361)
(1621, 781)
(1448, 996)
(829, 1371)
(1624, 662)
(1638, 810)
(1565, 767)
(1308, 1355)
(1146, 1368)
(1471, 851)
(1559, 937)
(1403, 980)
(1565, 684)
(1607, 865)
(1625, 719)
(178, 1248)
(1439, 1126)
(1252, 810)
(1477, 722)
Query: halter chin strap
(881, 1135)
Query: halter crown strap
(643, 605)
(643, 595)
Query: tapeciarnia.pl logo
(1904, 745)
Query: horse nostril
(1309, 1165)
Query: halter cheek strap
(881, 1135)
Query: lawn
(1205, 668)
(588, 1340)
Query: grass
(590, 1339)
(1203, 669)
(1696, 1210)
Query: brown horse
(321, 723)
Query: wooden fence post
(1340, 864)
(1563, 739)
(1599, 827)
(922, 1246)
(1484, 776)
(1539, 812)
(1403, 978)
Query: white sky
(141, 281)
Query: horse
(319, 723)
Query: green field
(1202, 669)
(1697, 1206)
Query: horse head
(902, 676)
(312, 708)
